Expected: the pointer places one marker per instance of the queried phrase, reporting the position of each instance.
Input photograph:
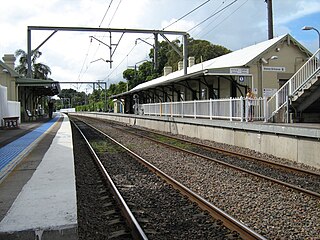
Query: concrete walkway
(46, 206)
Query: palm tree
(39, 70)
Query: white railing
(295, 84)
(230, 109)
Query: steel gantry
(110, 30)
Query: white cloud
(296, 9)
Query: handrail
(225, 108)
(294, 84)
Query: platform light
(312, 28)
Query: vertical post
(110, 48)
(185, 54)
(241, 109)
(93, 92)
(290, 88)
(230, 107)
(260, 83)
(266, 110)
(194, 109)
(105, 96)
(182, 109)
(246, 104)
(270, 19)
(155, 52)
(210, 108)
(29, 73)
(287, 105)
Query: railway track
(274, 211)
(115, 212)
(157, 203)
(302, 180)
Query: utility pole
(270, 19)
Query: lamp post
(312, 28)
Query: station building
(22, 97)
(265, 67)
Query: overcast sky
(72, 56)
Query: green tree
(39, 70)
(72, 97)
(202, 50)
(117, 88)
(130, 75)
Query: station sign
(274, 69)
(239, 70)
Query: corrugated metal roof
(243, 56)
(237, 58)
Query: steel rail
(314, 194)
(283, 166)
(136, 229)
(228, 221)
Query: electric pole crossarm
(88, 29)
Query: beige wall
(6, 78)
(289, 56)
(9, 82)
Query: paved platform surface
(38, 197)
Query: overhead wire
(202, 4)
(193, 10)
(87, 54)
(223, 2)
(90, 44)
(114, 13)
(108, 26)
(225, 18)
(212, 15)
(105, 13)
(85, 59)
(119, 63)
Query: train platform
(37, 181)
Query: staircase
(299, 93)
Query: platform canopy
(41, 87)
(227, 64)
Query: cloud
(288, 11)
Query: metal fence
(229, 108)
